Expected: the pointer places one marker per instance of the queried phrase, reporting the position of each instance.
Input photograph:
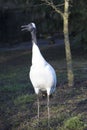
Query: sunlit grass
(74, 123)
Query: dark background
(15, 13)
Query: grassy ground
(18, 106)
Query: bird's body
(42, 74)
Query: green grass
(18, 106)
(23, 99)
(74, 123)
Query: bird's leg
(38, 105)
(48, 111)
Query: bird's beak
(24, 27)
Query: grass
(24, 99)
(74, 123)
(18, 106)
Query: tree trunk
(67, 46)
(65, 16)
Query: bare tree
(65, 16)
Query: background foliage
(14, 13)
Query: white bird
(42, 74)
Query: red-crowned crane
(42, 74)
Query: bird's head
(29, 27)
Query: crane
(42, 74)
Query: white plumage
(42, 74)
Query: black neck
(33, 34)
